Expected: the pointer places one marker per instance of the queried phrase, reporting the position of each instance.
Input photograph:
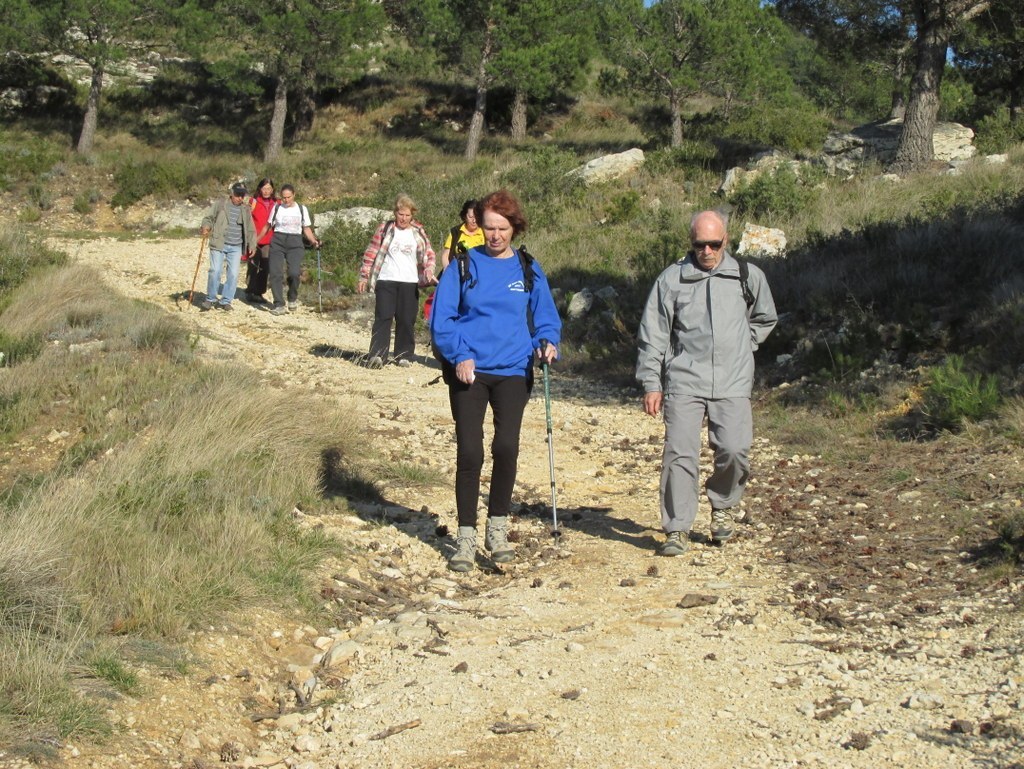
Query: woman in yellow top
(470, 234)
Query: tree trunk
(275, 142)
(476, 124)
(675, 105)
(519, 116)
(915, 148)
(303, 112)
(898, 107)
(92, 111)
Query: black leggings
(398, 302)
(507, 396)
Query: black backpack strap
(526, 262)
(748, 295)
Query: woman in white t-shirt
(398, 260)
(289, 221)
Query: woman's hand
(547, 353)
(361, 286)
(428, 277)
(465, 372)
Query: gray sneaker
(496, 540)
(676, 543)
(465, 553)
(721, 526)
(293, 306)
(279, 310)
(375, 362)
(403, 362)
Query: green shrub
(690, 154)
(1011, 536)
(624, 207)
(85, 201)
(771, 195)
(27, 156)
(137, 179)
(954, 395)
(543, 177)
(997, 132)
(21, 257)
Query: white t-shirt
(290, 219)
(400, 261)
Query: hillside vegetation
(902, 319)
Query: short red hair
(505, 203)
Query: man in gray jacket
(229, 224)
(698, 334)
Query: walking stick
(551, 444)
(202, 247)
(319, 281)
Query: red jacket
(261, 208)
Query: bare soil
(849, 624)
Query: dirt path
(590, 650)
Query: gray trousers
(730, 433)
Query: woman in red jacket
(262, 204)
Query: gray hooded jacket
(697, 335)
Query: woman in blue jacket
(493, 316)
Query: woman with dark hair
(290, 221)
(462, 237)
(262, 204)
(490, 322)
(468, 234)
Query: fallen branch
(504, 727)
(392, 730)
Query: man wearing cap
(705, 317)
(229, 224)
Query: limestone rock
(609, 167)
(765, 241)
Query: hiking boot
(465, 553)
(496, 540)
(205, 305)
(279, 310)
(375, 362)
(675, 544)
(721, 526)
(225, 307)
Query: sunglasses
(700, 245)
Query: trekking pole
(551, 444)
(319, 281)
(202, 247)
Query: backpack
(462, 260)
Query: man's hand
(652, 403)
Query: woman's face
(497, 233)
(470, 220)
(403, 217)
(267, 190)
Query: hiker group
(493, 319)
(267, 232)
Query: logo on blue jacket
(517, 285)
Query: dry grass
(170, 506)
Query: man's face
(236, 199)
(708, 239)
(287, 197)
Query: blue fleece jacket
(484, 318)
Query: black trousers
(258, 271)
(398, 302)
(507, 397)
(285, 249)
